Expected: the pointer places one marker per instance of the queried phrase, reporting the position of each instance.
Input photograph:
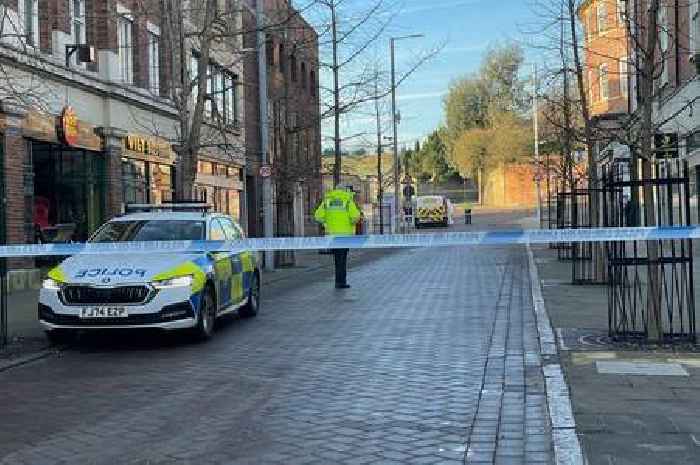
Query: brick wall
(510, 186)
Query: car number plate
(104, 312)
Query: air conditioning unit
(86, 54)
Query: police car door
(222, 265)
(239, 262)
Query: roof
(165, 216)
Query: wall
(510, 186)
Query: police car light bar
(181, 207)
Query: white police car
(165, 291)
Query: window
(77, 13)
(694, 29)
(293, 66)
(662, 21)
(312, 83)
(603, 81)
(591, 85)
(125, 47)
(621, 11)
(206, 167)
(282, 59)
(303, 76)
(194, 73)
(150, 230)
(154, 62)
(624, 76)
(231, 99)
(602, 12)
(591, 23)
(29, 15)
(216, 91)
(270, 50)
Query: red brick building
(293, 119)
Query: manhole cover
(617, 367)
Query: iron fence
(588, 258)
(650, 289)
(565, 221)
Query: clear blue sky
(467, 28)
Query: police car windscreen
(152, 230)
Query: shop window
(206, 167)
(134, 181)
(161, 182)
(221, 170)
(69, 192)
(234, 204)
(125, 45)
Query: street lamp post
(394, 121)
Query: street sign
(265, 171)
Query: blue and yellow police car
(173, 291)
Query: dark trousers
(341, 266)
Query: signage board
(68, 127)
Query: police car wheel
(250, 309)
(207, 316)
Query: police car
(165, 291)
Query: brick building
(293, 117)
(83, 135)
(606, 45)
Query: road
(431, 357)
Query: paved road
(431, 357)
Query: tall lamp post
(394, 121)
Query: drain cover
(618, 367)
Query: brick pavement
(432, 357)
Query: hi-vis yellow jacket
(338, 213)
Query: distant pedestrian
(338, 214)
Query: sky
(465, 29)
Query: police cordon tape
(531, 236)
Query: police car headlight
(51, 284)
(181, 281)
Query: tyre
(250, 309)
(207, 316)
(59, 337)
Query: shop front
(66, 188)
(220, 184)
(147, 170)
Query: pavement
(633, 405)
(433, 356)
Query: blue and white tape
(533, 236)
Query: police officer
(338, 214)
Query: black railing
(588, 258)
(650, 291)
